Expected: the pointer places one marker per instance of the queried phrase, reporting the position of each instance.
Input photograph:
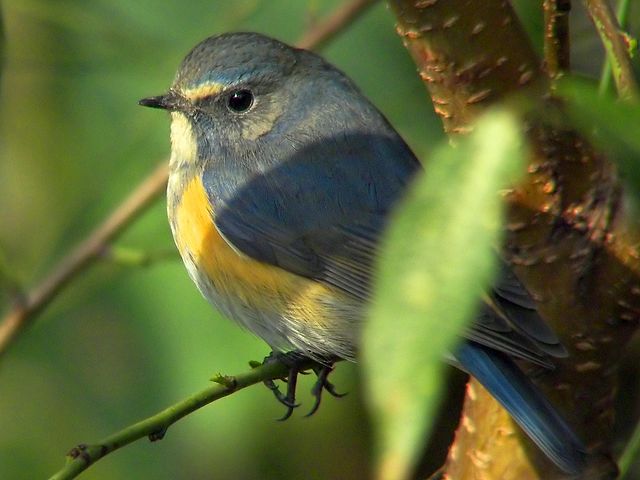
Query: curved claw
(298, 361)
(331, 388)
(322, 383)
(271, 385)
(316, 405)
(288, 400)
(288, 413)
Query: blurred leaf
(614, 126)
(630, 455)
(437, 258)
(2, 40)
(532, 18)
(8, 283)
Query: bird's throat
(184, 144)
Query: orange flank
(235, 276)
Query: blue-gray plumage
(283, 176)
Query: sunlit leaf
(437, 258)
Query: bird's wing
(316, 217)
(509, 322)
(322, 220)
(526, 404)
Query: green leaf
(436, 260)
(613, 125)
(2, 40)
(630, 455)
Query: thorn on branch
(227, 381)
(80, 451)
(157, 435)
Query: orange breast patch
(231, 273)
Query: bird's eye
(240, 101)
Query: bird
(282, 179)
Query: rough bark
(568, 235)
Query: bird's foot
(299, 363)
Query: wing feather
(323, 220)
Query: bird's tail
(526, 405)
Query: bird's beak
(171, 101)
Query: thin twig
(83, 456)
(605, 77)
(131, 257)
(323, 31)
(556, 36)
(616, 43)
(21, 316)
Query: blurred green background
(124, 342)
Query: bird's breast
(228, 270)
(273, 303)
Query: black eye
(240, 101)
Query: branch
(155, 427)
(617, 44)
(324, 31)
(469, 54)
(557, 54)
(84, 255)
(605, 77)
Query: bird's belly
(286, 310)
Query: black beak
(169, 101)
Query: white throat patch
(184, 144)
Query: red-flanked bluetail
(282, 178)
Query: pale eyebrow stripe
(203, 91)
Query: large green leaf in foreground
(436, 259)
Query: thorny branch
(605, 77)
(556, 36)
(617, 45)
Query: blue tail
(526, 405)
